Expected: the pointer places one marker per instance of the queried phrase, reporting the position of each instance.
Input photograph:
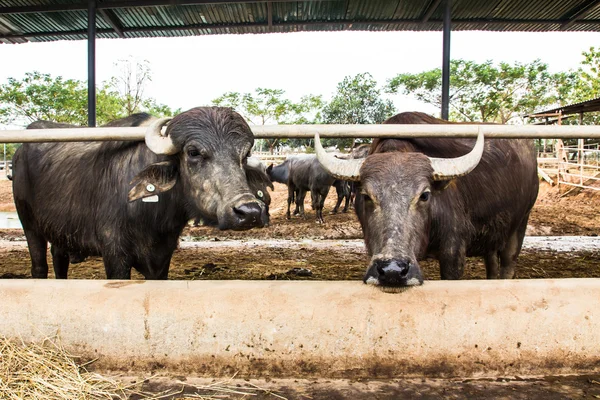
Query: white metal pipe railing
(328, 131)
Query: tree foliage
(269, 106)
(357, 100)
(487, 92)
(40, 96)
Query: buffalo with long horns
(441, 198)
(129, 201)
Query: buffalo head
(206, 151)
(397, 193)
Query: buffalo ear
(270, 168)
(154, 179)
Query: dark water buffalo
(258, 181)
(129, 201)
(428, 198)
(302, 174)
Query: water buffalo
(427, 198)
(256, 174)
(302, 174)
(129, 201)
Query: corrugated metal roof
(591, 105)
(47, 20)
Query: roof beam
(114, 22)
(270, 14)
(438, 23)
(578, 13)
(432, 7)
(126, 4)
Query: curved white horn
(158, 143)
(450, 168)
(348, 170)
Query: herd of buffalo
(129, 201)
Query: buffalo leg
(299, 193)
(346, 196)
(340, 197)
(321, 204)
(154, 268)
(510, 253)
(38, 246)
(60, 261)
(314, 198)
(290, 199)
(452, 261)
(319, 200)
(116, 265)
(300, 202)
(492, 267)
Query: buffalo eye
(194, 152)
(367, 200)
(425, 196)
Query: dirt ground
(517, 388)
(575, 214)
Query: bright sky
(189, 72)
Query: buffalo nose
(249, 215)
(393, 272)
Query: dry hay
(48, 371)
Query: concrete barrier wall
(320, 329)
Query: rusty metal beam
(578, 13)
(110, 17)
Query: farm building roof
(47, 20)
(592, 105)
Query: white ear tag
(260, 194)
(151, 199)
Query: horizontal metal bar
(326, 131)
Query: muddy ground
(517, 388)
(554, 214)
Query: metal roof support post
(91, 62)
(446, 60)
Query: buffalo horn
(348, 170)
(155, 140)
(450, 168)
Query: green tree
(356, 101)
(268, 106)
(40, 96)
(486, 92)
